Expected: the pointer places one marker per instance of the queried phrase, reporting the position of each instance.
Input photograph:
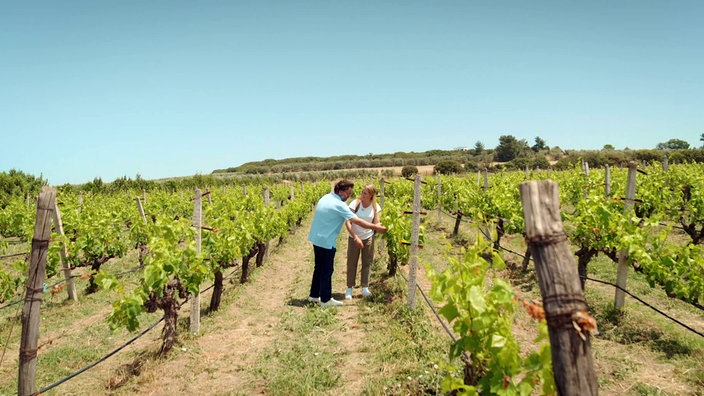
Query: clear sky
(175, 88)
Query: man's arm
(365, 224)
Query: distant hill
(470, 159)
(311, 164)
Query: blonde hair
(371, 189)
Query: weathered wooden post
(382, 194)
(197, 223)
(140, 208)
(569, 323)
(63, 253)
(622, 271)
(31, 312)
(585, 169)
(261, 256)
(607, 182)
(439, 199)
(415, 233)
(665, 163)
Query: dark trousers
(321, 285)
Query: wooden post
(382, 194)
(607, 182)
(439, 200)
(267, 201)
(563, 300)
(31, 312)
(210, 198)
(63, 253)
(292, 192)
(80, 199)
(622, 271)
(526, 172)
(665, 163)
(479, 178)
(197, 223)
(486, 179)
(144, 196)
(140, 208)
(415, 231)
(585, 167)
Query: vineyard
(204, 292)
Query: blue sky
(176, 88)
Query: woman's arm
(376, 219)
(357, 240)
(365, 224)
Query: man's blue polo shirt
(330, 214)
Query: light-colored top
(330, 215)
(366, 214)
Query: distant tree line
(312, 164)
(511, 154)
(16, 183)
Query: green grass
(410, 348)
(405, 353)
(302, 362)
(72, 334)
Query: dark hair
(343, 185)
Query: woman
(361, 239)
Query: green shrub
(409, 171)
(447, 167)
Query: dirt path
(235, 337)
(219, 361)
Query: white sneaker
(366, 292)
(331, 303)
(314, 299)
(348, 294)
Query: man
(330, 213)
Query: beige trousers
(353, 257)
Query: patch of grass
(303, 363)
(625, 327)
(73, 334)
(61, 361)
(301, 369)
(409, 351)
(645, 332)
(648, 390)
